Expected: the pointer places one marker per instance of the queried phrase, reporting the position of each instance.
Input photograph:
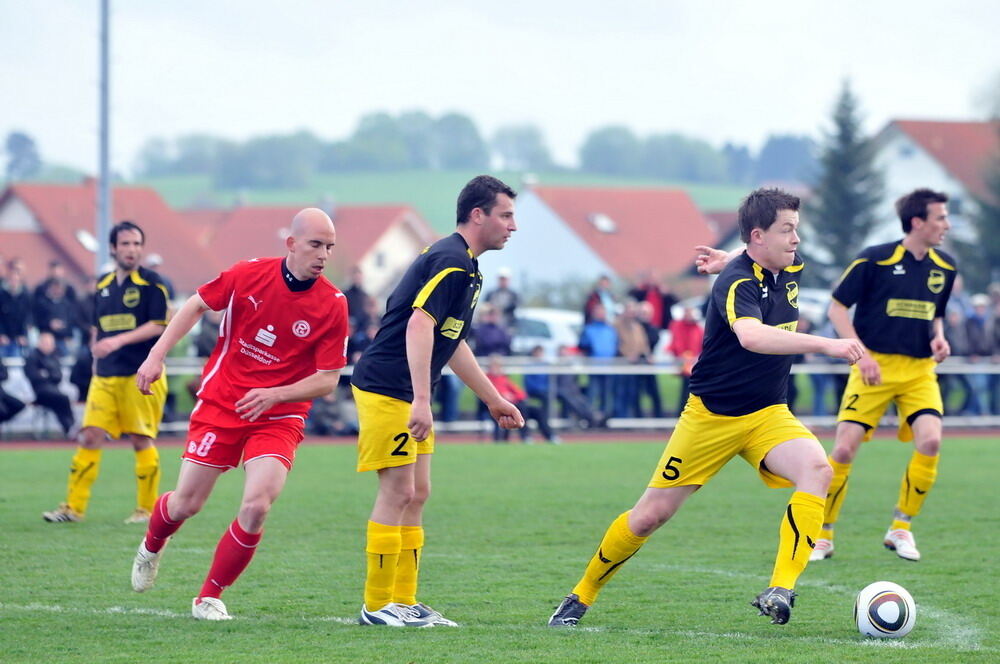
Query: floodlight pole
(104, 175)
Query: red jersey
(270, 335)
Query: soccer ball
(884, 610)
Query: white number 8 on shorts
(202, 448)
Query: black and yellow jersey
(121, 307)
(897, 297)
(730, 379)
(444, 282)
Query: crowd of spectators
(48, 327)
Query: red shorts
(214, 438)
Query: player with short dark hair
(737, 406)
(427, 319)
(282, 343)
(130, 312)
(900, 291)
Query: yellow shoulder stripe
(137, 280)
(851, 267)
(897, 255)
(166, 295)
(429, 287)
(731, 301)
(795, 268)
(936, 257)
(106, 281)
(758, 272)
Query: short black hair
(480, 192)
(760, 209)
(124, 226)
(915, 203)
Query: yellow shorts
(704, 442)
(383, 439)
(909, 381)
(115, 404)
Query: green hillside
(432, 193)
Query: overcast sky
(723, 70)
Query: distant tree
(677, 157)
(458, 143)
(378, 144)
(522, 148)
(613, 150)
(740, 163)
(196, 153)
(846, 195)
(417, 129)
(154, 159)
(787, 158)
(23, 161)
(268, 161)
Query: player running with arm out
(282, 342)
(737, 407)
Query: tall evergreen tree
(846, 195)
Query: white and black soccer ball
(884, 610)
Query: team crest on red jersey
(301, 329)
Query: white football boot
(392, 615)
(902, 542)
(145, 566)
(822, 550)
(209, 608)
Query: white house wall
(906, 167)
(543, 249)
(387, 260)
(15, 216)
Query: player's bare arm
(419, 347)
(711, 261)
(465, 366)
(180, 325)
(259, 400)
(108, 345)
(940, 348)
(768, 340)
(871, 373)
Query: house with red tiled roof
(380, 239)
(40, 223)
(945, 156)
(575, 234)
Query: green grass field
(432, 193)
(509, 530)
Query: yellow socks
(835, 496)
(83, 471)
(147, 477)
(800, 527)
(382, 549)
(917, 482)
(619, 544)
(405, 589)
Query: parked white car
(548, 328)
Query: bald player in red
(282, 343)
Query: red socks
(232, 555)
(160, 525)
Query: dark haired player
(900, 290)
(282, 343)
(130, 312)
(426, 321)
(737, 406)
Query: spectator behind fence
(357, 297)
(649, 384)
(44, 372)
(510, 391)
(15, 312)
(633, 347)
(504, 299)
(490, 337)
(957, 333)
(601, 295)
(979, 329)
(54, 307)
(645, 290)
(9, 406)
(599, 341)
(567, 391)
(686, 337)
